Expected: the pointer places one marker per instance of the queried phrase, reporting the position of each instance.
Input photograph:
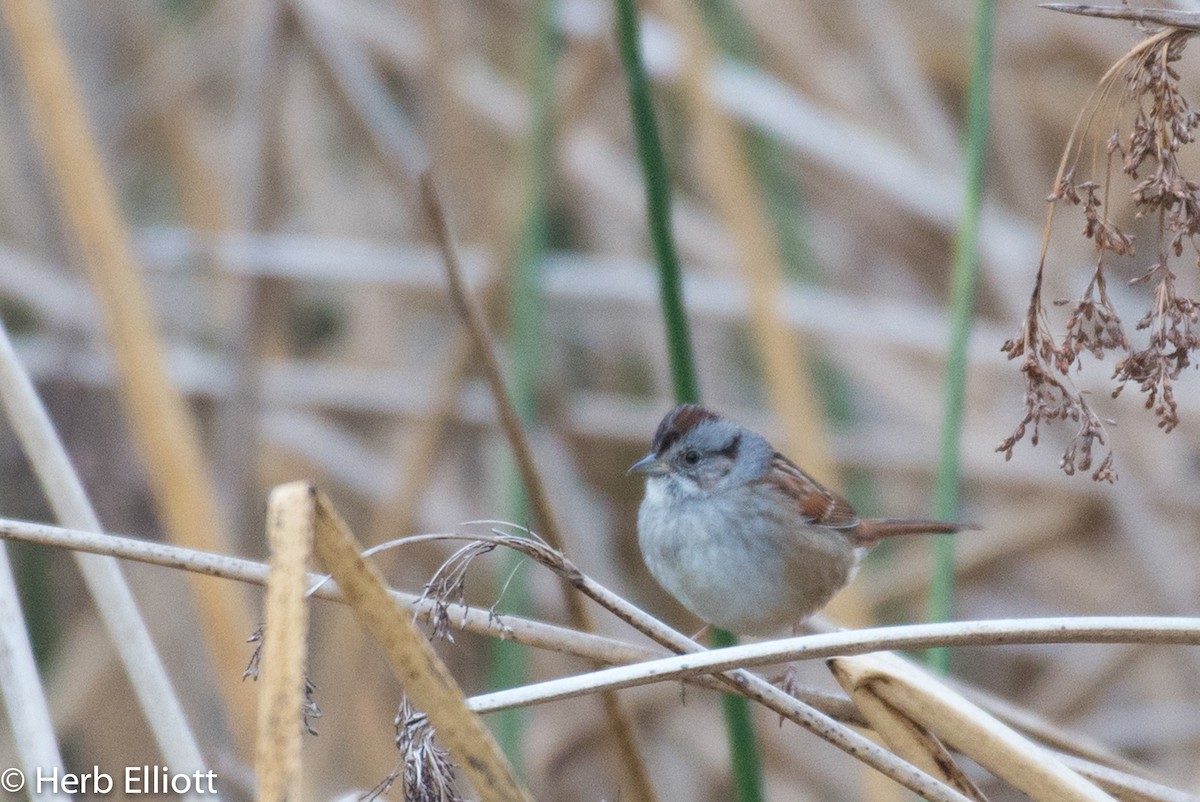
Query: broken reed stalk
(282, 678)
(607, 650)
(410, 655)
(739, 726)
(962, 296)
(167, 439)
(473, 319)
(926, 707)
(115, 603)
(908, 738)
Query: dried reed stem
(1188, 20)
(477, 621)
(925, 700)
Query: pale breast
(732, 561)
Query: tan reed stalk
(282, 678)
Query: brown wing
(818, 503)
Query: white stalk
(1105, 629)
(102, 575)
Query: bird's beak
(649, 465)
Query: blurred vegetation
(851, 116)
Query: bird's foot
(787, 681)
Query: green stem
(747, 768)
(658, 206)
(962, 291)
(739, 730)
(509, 664)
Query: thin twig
(473, 319)
(1153, 16)
(521, 630)
(535, 489)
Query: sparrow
(739, 534)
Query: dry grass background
(300, 299)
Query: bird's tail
(872, 530)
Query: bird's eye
(691, 456)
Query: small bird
(739, 534)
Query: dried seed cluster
(309, 709)
(425, 770)
(1162, 124)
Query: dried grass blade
(291, 514)
(413, 660)
(965, 727)
(168, 441)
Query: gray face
(696, 451)
(706, 455)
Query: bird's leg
(703, 633)
(787, 682)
